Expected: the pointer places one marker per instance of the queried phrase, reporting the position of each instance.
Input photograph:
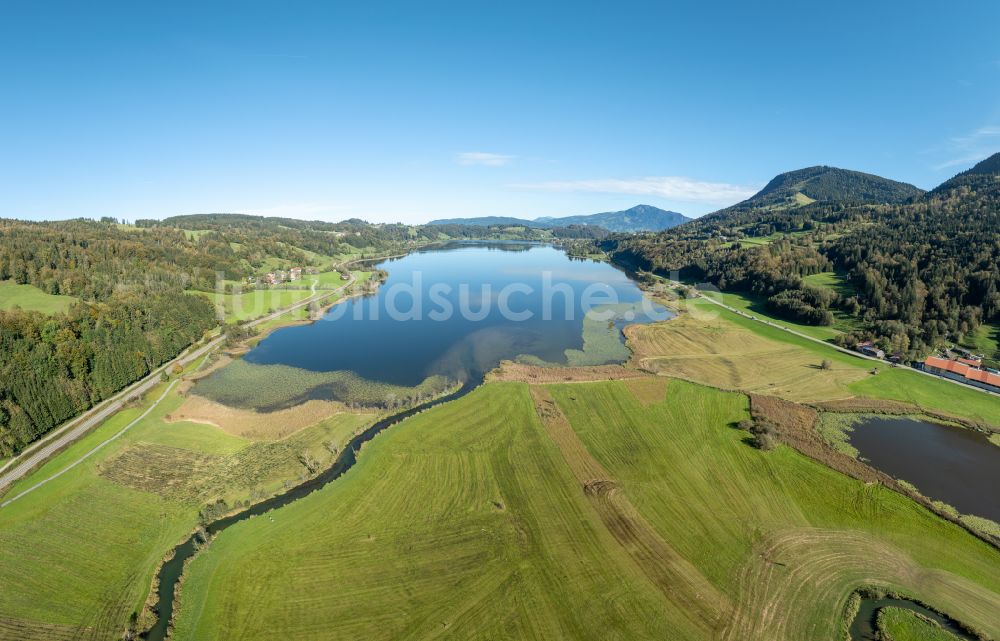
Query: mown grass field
(81, 550)
(711, 345)
(714, 346)
(30, 298)
(614, 510)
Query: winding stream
(864, 626)
(362, 336)
(170, 571)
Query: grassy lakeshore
(259, 302)
(711, 345)
(501, 514)
(82, 548)
(269, 387)
(303, 315)
(592, 510)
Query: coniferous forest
(131, 316)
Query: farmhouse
(961, 371)
(295, 273)
(868, 348)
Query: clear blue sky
(411, 112)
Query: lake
(952, 464)
(445, 316)
(454, 311)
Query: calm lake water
(371, 338)
(457, 311)
(951, 464)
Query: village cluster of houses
(273, 278)
(280, 276)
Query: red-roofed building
(942, 366)
(987, 379)
(960, 371)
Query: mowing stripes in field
(671, 573)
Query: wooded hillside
(923, 271)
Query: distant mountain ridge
(638, 218)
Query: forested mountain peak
(917, 274)
(828, 184)
(985, 174)
(989, 166)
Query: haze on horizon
(403, 113)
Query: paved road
(94, 449)
(59, 439)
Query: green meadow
(891, 383)
(834, 281)
(985, 340)
(259, 302)
(325, 280)
(30, 298)
(899, 384)
(614, 510)
(83, 548)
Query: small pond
(947, 463)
